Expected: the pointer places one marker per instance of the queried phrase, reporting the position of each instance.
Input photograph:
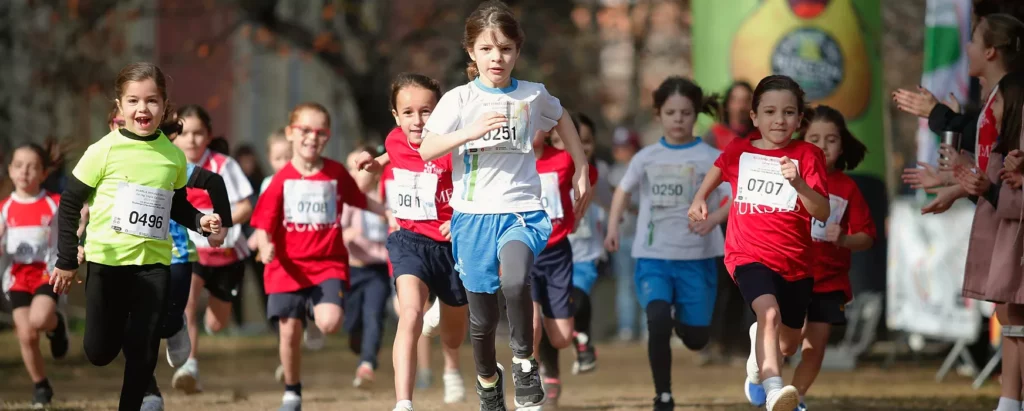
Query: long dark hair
(686, 88)
(1011, 87)
(727, 99)
(853, 150)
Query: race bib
(311, 201)
(411, 195)
(511, 138)
(375, 227)
(672, 185)
(550, 199)
(28, 245)
(142, 211)
(761, 183)
(837, 207)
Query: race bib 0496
(311, 201)
(411, 195)
(511, 138)
(672, 185)
(761, 183)
(550, 199)
(142, 211)
(837, 208)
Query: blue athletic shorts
(689, 285)
(584, 275)
(477, 239)
(551, 280)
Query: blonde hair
(309, 105)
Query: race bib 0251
(511, 138)
(761, 183)
(311, 201)
(142, 211)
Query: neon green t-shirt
(129, 213)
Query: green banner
(831, 47)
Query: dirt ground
(238, 374)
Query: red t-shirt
(556, 170)
(29, 239)
(778, 236)
(987, 133)
(831, 262)
(416, 175)
(302, 216)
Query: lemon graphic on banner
(816, 42)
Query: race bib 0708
(511, 138)
(311, 201)
(837, 207)
(550, 199)
(142, 211)
(761, 183)
(27, 245)
(411, 195)
(672, 185)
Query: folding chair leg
(947, 365)
(989, 368)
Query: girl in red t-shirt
(778, 185)
(849, 228)
(28, 233)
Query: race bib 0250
(672, 185)
(837, 208)
(761, 183)
(311, 201)
(511, 138)
(411, 195)
(142, 211)
(550, 199)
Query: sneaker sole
(362, 384)
(185, 383)
(577, 368)
(789, 399)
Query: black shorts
(431, 261)
(294, 304)
(551, 280)
(23, 299)
(755, 280)
(827, 308)
(223, 281)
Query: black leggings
(516, 260)
(125, 306)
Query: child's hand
(832, 233)
(703, 227)
(266, 252)
(446, 230)
(61, 280)
(81, 255)
(698, 210)
(611, 240)
(582, 193)
(1012, 178)
(789, 171)
(488, 122)
(210, 223)
(1013, 161)
(366, 162)
(217, 239)
(973, 181)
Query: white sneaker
(786, 399)
(431, 320)
(186, 378)
(291, 402)
(364, 376)
(454, 387)
(403, 407)
(313, 337)
(753, 370)
(179, 347)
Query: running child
(28, 234)
(849, 228)
(779, 185)
(551, 278)
(675, 258)
(498, 221)
(219, 269)
(128, 250)
(366, 302)
(300, 241)
(279, 153)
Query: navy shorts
(551, 280)
(222, 282)
(793, 297)
(431, 261)
(368, 292)
(294, 304)
(23, 299)
(829, 308)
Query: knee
(328, 324)
(214, 323)
(694, 338)
(659, 319)
(789, 349)
(411, 317)
(28, 336)
(515, 286)
(37, 320)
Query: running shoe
(784, 400)
(586, 355)
(59, 337)
(364, 376)
(553, 390)
(179, 347)
(152, 403)
(291, 402)
(186, 378)
(454, 387)
(529, 388)
(493, 399)
(664, 402)
(41, 398)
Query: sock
(526, 363)
(404, 404)
(772, 384)
(486, 384)
(801, 399)
(296, 388)
(1008, 404)
(664, 397)
(45, 383)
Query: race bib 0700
(761, 183)
(311, 201)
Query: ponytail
(471, 71)
(170, 124)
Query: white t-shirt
(627, 227)
(668, 177)
(588, 240)
(496, 173)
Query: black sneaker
(493, 399)
(529, 389)
(586, 355)
(664, 402)
(41, 398)
(59, 338)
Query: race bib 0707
(411, 195)
(27, 245)
(550, 199)
(142, 211)
(837, 207)
(761, 183)
(311, 201)
(511, 138)
(672, 185)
